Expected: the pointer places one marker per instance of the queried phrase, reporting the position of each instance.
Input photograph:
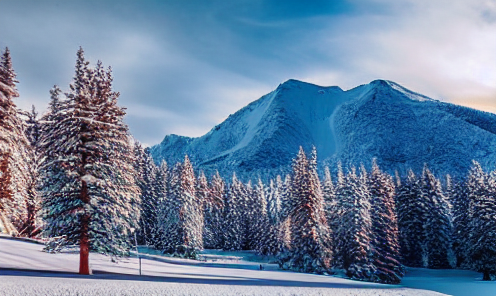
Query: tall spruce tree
(88, 189)
(262, 227)
(233, 219)
(214, 208)
(329, 192)
(32, 224)
(285, 219)
(412, 213)
(309, 247)
(149, 196)
(274, 200)
(170, 223)
(461, 221)
(336, 215)
(437, 226)
(185, 213)
(385, 247)
(482, 225)
(357, 250)
(274, 237)
(161, 187)
(15, 152)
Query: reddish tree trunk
(84, 251)
(84, 240)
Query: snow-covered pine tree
(161, 187)
(185, 215)
(329, 192)
(14, 151)
(274, 238)
(437, 225)
(32, 224)
(412, 210)
(335, 214)
(461, 221)
(169, 220)
(263, 230)
(309, 248)
(449, 192)
(385, 247)
(212, 234)
(233, 220)
(5, 195)
(247, 209)
(88, 190)
(482, 223)
(147, 185)
(33, 128)
(274, 200)
(251, 210)
(203, 196)
(284, 228)
(357, 248)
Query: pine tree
(357, 247)
(184, 224)
(147, 185)
(336, 215)
(274, 200)
(193, 208)
(161, 187)
(169, 218)
(32, 223)
(412, 214)
(461, 221)
(5, 194)
(329, 192)
(233, 221)
(274, 239)
(88, 190)
(309, 248)
(385, 247)
(14, 150)
(203, 196)
(214, 208)
(263, 230)
(248, 209)
(437, 226)
(285, 219)
(482, 225)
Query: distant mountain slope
(401, 128)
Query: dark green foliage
(412, 214)
(309, 248)
(437, 226)
(385, 247)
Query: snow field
(26, 270)
(28, 285)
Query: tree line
(76, 177)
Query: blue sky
(182, 66)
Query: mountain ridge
(384, 120)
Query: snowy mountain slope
(403, 129)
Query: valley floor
(26, 270)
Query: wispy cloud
(183, 66)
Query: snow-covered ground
(26, 270)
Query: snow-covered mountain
(382, 119)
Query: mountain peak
(382, 119)
(381, 84)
